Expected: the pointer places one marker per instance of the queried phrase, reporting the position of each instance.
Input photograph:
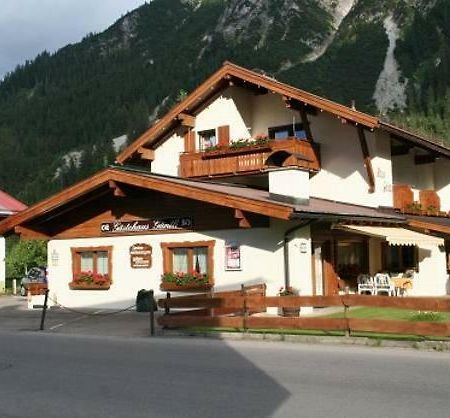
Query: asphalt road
(55, 375)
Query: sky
(28, 27)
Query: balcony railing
(251, 159)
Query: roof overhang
(415, 140)
(394, 235)
(429, 225)
(150, 182)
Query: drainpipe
(286, 249)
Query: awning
(393, 235)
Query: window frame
(167, 253)
(76, 258)
(201, 145)
(291, 129)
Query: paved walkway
(15, 316)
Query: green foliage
(424, 56)
(25, 254)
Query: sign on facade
(141, 256)
(232, 256)
(148, 225)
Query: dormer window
(207, 139)
(287, 131)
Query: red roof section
(10, 204)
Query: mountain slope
(59, 113)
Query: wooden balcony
(289, 152)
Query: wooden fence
(244, 305)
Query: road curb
(427, 345)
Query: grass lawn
(393, 314)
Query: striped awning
(394, 235)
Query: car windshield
(36, 272)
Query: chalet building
(249, 180)
(8, 206)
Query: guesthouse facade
(250, 181)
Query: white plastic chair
(365, 284)
(383, 284)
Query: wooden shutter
(224, 135)
(429, 198)
(189, 141)
(403, 196)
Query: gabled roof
(219, 81)
(221, 194)
(9, 205)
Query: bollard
(14, 287)
(166, 307)
(152, 312)
(44, 310)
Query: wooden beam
(367, 159)
(243, 221)
(424, 159)
(146, 153)
(118, 191)
(187, 120)
(28, 233)
(306, 125)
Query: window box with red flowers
(87, 280)
(193, 281)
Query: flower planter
(235, 151)
(291, 312)
(89, 286)
(173, 287)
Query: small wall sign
(303, 247)
(158, 224)
(55, 258)
(232, 256)
(141, 256)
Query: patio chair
(383, 284)
(365, 284)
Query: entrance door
(329, 273)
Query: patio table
(401, 284)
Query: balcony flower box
(90, 281)
(241, 146)
(185, 282)
(172, 287)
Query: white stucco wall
(269, 110)
(2, 264)
(432, 278)
(167, 156)
(290, 182)
(442, 182)
(232, 108)
(261, 257)
(405, 171)
(343, 176)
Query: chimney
(289, 185)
